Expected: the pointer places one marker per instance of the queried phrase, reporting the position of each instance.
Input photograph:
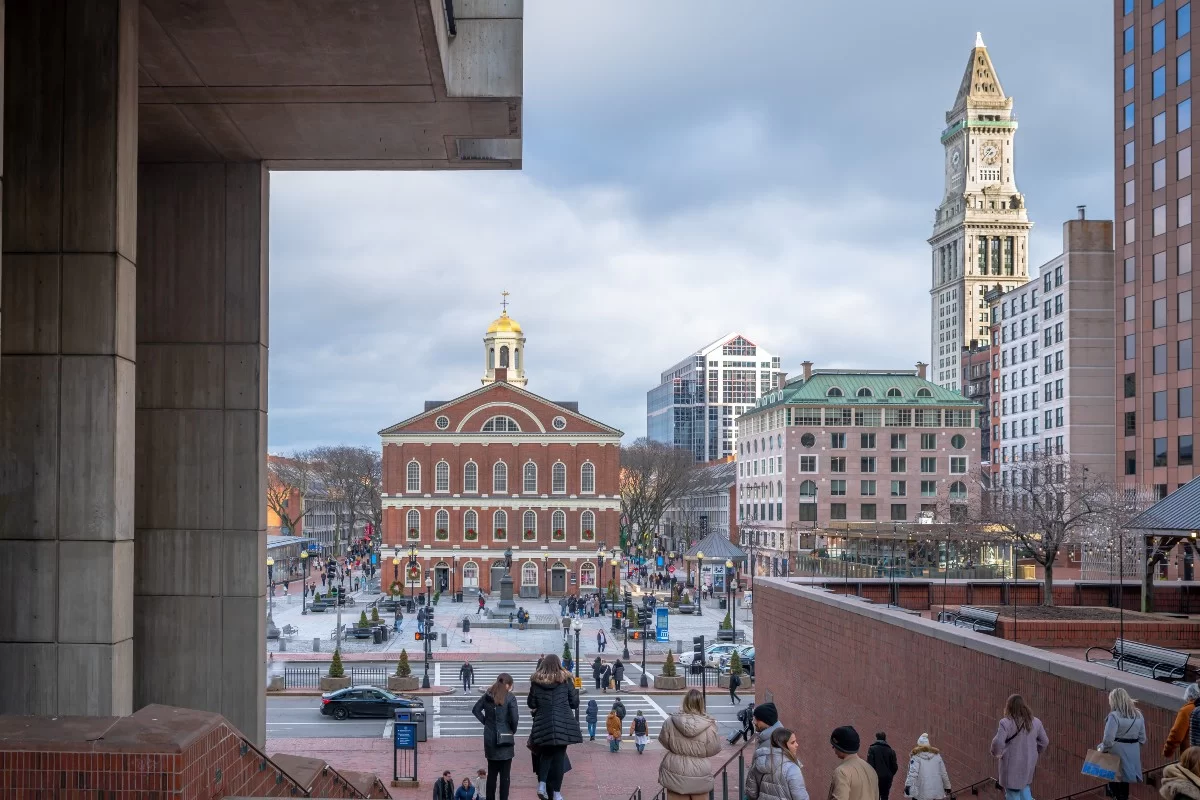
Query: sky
(691, 168)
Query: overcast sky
(691, 167)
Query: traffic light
(698, 648)
(416, 636)
(429, 617)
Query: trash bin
(444, 640)
(458, 597)
(414, 714)
(721, 604)
(377, 635)
(316, 644)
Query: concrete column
(66, 398)
(200, 586)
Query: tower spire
(979, 39)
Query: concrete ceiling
(331, 84)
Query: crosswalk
(486, 672)
(452, 717)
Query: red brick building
(501, 468)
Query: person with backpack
(593, 712)
(734, 682)
(639, 729)
(619, 707)
(1179, 738)
(605, 676)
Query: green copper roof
(815, 391)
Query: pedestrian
(601, 640)
(606, 676)
(592, 715)
(734, 682)
(1182, 781)
(421, 621)
(1019, 740)
(466, 629)
(399, 622)
(466, 791)
(746, 719)
(690, 738)
(1124, 735)
(497, 711)
(443, 787)
(1179, 736)
(639, 729)
(853, 779)
(766, 720)
(619, 707)
(562, 606)
(779, 777)
(480, 781)
(479, 610)
(618, 674)
(554, 702)
(882, 759)
(612, 724)
(927, 777)
(572, 605)
(598, 672)
(466, 674)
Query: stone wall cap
(153, 729)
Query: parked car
(712, 654)
(746, 654)
(364, 701)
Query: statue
(508, 561)
(506, 583)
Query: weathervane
(504, 301)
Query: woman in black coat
(497, 710)
(618, 674)
(554, 703)
(598, 672)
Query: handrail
(723, 773)
(729, 760)
(637, 794)
(973, 788)
(1145, 774)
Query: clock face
(955, 159)
(990, 152)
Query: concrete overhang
(332, 84)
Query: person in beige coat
(854, 779)
(1182, 781)
(690, 738)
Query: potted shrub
(685, 604)
(437, 596)
(362, 619)
(725, 629)
(336, 679)
(669, 679)
(566, 657)
(403, 680)
(735, 668)
(374, 614)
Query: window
(1183, 115)
(1183, 163)
(924, 392)
(529, 526)
(1160, 312)
(894, 392)
(808, 463)
(1130, 308)
(899, 441)
(865, 392)
(899, 464)
(1130, 423)
(958, 464)
(414, 477)
(1158, 175)
(1183, 211)
(1130, 194)
(837, 488)
(1159, 262)
(1160, 359)
(1130, 269)
(866, 511)
(958, 441)
(928, 441)
(558, 478)
(470, 478)
(928, 464)
(558, 526)
(1130, 462)
(471, 525)
(1129, 78)
(529, 478)
(441, 477)
(1160, 406)
(500, 478)
(899, 512)
(837, 510)
(1158, 82)
(1130, 230)
(834, 392)
(1184, 353)
(441, 524)
(1128, 39)
(1184, 399)
(500, 526)
(413, 518)
(1183, 258)
(587, 574)
(1158, 36)
(837, 441)
(1130, 154)
(1158, 128)
(866, 464)
(1130, 384)
(808, 491)
(1185, 451)
(1159, 220)
(587, 478)
(928, 488)
(587, 526)
(1183, 20)
(866, 441)
(837, 464)
(1184, 310)
(1128, 7)
(529, 574)
(866, 488)
(899, 488)
(1183, 67)
(1160, 452)
(501, 424)
(806, 512)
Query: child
(613, 724)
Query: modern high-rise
(697, 401)
(981, 230)
(1154, 302)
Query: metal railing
(369, 676)
(301, 677)
(1147, 773)
(721, 776)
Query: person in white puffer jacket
(927, 777)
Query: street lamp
(729, 595)
(270, 586)
(700, 583)
(396, 589)
(546, 577)
(428, 630)
(453, 567)
(613, 599)
(304, 582)
(577, 627)
(644, 619)
(412, 565)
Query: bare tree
(287, 477)
(1048, 502)
(652, 476)
(347, 473)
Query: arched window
(808, 491)
(924, 393)
(516, 358)
(770, 490)
(833, 392)
(558, 478)
(441, 525)
(504, 355)
(587, 574)
(529, 574)
(894, 392)
(529, 478)
(780, 485)
(441, 477)
(414, 477)
(471, 526)
(500, 478)
(471, 575)
(865, 392)
(501, 424)
(958, 492)
(492, 357)
(529, 526)
(779, 441)
(587, 526)
(414, 524)
(500, 526)
(558, 526)
(471, 477)
(587, 478)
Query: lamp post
(628, 608)
(303, 582)
(700, 583)
(613, 600)
(395, 595)
(271, 589)
(546, 576)
(453, 567)
(412, 565)
(577, 627)
(428, 642)
(644, 682)
(729, 595)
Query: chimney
(807, 365)
(921, 365)
(1082, 211)
(501, 374)
(782, 379)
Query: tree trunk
(1147, 585)
(1048, 584)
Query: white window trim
(555, 514)
(437, 477)
(583, 526)
(553, 471)
(500, 465)
(523, 528)
(470, 462)
(594, 572)
(408, 526)
(408, 476)
(816, 464)
(436, 516)
(495, 513)
(583, 484)
(526, 571)
(467, 524)
(525, 468)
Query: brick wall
(834, 661)
(1182, 635)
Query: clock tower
(981, 229)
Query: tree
(1049, 502)
(735, 663)
(668, 670)
(362, 619)
(290, 479)
(403, 670)
(336, 670)
(348, 475)
(652, 476)
(566, 653)
(727, 623)
(374, 614)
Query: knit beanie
(766, 714)
(923, 740)
(844, 739)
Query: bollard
(678, 646)
(444, 640)
(316, 644)
(282, 645)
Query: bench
(1147, 660)
(977, 619)
(289, 631)
(319, 605)
(728, 635)
(334, 633)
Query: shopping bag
(1104, 766)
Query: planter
(329, 684)
(409, 684)
(725, 635)
(687, 608)
(723, 680)
(276, 683)
(670, 684)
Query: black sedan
(364, 701)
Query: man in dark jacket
(619, 707)
(443, 787)
(466, 674)
(882, 758)
(618, 674)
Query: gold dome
(504, 324)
